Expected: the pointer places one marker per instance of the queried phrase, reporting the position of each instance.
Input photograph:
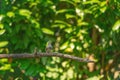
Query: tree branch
(42, 54)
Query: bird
(35, 51)
(49, 47)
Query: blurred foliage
(83, 28)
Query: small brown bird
(48, 47)
(35, 51)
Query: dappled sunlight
(84, 39)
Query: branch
(39, 55)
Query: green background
(82, 28)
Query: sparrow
(49, 47)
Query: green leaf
(61, 26)
(116, 25)
(64, 45)
(2, 31)
(91, 2)
(76, 1)
(103, 6)
(62, 22)
(68, 30)
(24, 65)
(1, 26)
(25, 12)
(5, 67)
(37, 25)
(81, 23)
(3, 43)
(47, 31)
(69, 16)
(3, 60)
(68, 1)
(64, 11)
(31, 70)
(1, 17)
(10, 14)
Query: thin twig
(42, 54)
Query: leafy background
(83, 28)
